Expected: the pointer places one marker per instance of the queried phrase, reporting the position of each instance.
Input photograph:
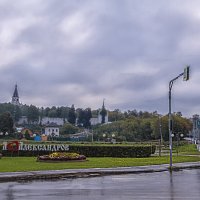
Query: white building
(52, 130)
(98, 119)
(94, 121)
(49, 120)
(43, 121)
(23, 120)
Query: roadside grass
(16, 164)
(188, 149)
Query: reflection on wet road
(161, 185)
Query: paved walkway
(76, 173)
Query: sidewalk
(78, 173)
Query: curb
(91, 172)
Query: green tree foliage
(68, 129)
(72, 115)
(33, 114)
(24, 110)
(103, 113)
(14, 110)
(52, 113)
(143, 127)
(88, 116)
(27, 135)
(116, 115)
(46, 111)
(6, 123)
(180, 125)
(83, 117)
(131, 125)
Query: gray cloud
(79, 52)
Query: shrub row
(114, 151)
(96, 151)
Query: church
(15, 97)
(100, 119)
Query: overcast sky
(64, 52)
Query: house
(52, 129)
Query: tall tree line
(143, 126)
(74, 116)
(131, 125)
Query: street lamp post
(178, 137)
(104, 137)
(160, 131)
(185, 75)
(92, 136)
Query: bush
(114, 151)
(131, 151)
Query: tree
(80, 116)
(103, 114)
(27, 135)
(52, 113)
(87, 116)
(64, 112)
(83, 117)
(33, 114)
(6, 123)
(179, 125)
(115, 115)
(72, 115)
(46, 111)
(68, 129)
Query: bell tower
(15, 97)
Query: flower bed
(62, 156)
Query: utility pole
(185, 75)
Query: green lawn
(13, 164)
(189, 149)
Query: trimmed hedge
(97, 151)
(114, 151)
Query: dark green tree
(6, 123)
(87, 117)
(27, 135)
(72, 115)
(64, 112)
(80, 116)
(46, 111)
(115, 115)
(33, 114)
(83, 117)
(68, 129)
(52, 113)
(103, 113)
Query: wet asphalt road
(180, 185)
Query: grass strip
(17, 164)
